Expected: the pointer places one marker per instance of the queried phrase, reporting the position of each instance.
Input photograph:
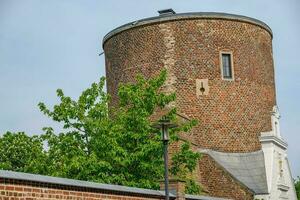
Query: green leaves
(297, 187)
(20, 152)
(184, 161)
(115, 145)
(145, 95)
(192, 187)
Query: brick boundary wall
(23, 186)
(19, 190)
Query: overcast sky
(45, 45)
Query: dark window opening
(226, 66)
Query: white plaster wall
(277, 173)
(279, 177)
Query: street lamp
(164, 124)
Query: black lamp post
(164, 125)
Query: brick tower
(221, 68)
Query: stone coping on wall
(185, 16)
(35, 178)
(77, 183)
(197, 197)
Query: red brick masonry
(234, 112)
(23, 186)
(28, 190)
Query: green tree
(183, 164)
(297, 187)
(122, 147)
(20, 152)
(109, 145)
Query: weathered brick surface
(234, 113)
(25, 190)
(216, 182)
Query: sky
(45, 45)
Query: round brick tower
(220, 66)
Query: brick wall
(23, 186)
(29, 190)
(233, 113)
(216, 182)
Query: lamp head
(164, 124)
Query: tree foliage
(20, 152)
(109, 145)
(297, 187)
